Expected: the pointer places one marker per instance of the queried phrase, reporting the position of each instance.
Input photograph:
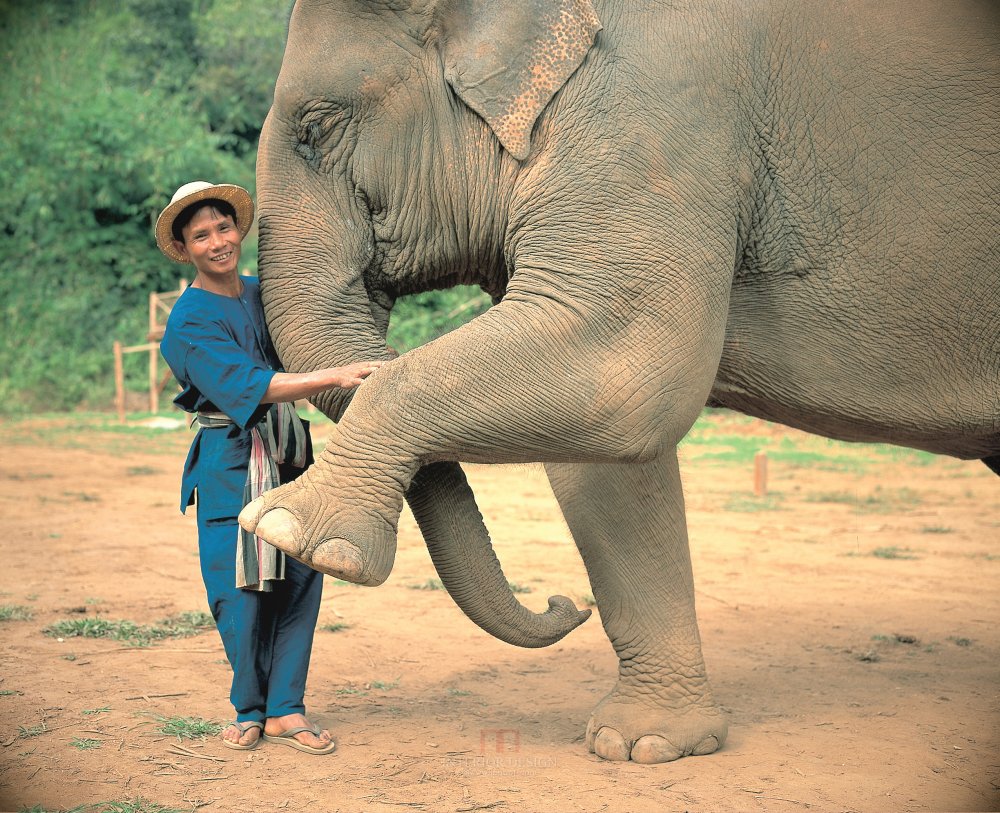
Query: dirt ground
(849, 620)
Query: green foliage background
(109, 106)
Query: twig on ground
(760, 795)
(181, 751)
(148, 697)
(716, 598)
(166, 575)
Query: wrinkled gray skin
(785, 208)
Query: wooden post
(119, 383)
(760, 474)
(154, 351)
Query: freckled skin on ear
(507, 61)
(672, 206)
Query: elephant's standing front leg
(628, 521)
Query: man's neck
(225, 284)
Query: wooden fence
(160, 305)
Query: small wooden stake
(119, 383)
(760, 474)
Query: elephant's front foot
(325, 534)
(623, 728)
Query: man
(249, 438)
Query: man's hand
(353, 374)
(285, 387)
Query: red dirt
(853, 682)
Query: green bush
(109, 106)
(90, 156)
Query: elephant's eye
(321, 126)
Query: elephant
(786, 209)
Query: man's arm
(285, 387)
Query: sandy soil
(853, 681)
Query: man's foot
(307, 738)
(242, 736)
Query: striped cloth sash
(279, 437)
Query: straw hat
(193, 192)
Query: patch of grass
(101, 710)
(92, 627)
(958, 641)
(10, 692)
(69, 656)
(936, 529)
(188, 728)
(430, 584)
(346, 690)
(15, 612)
(40, 809)
(335, 627)
(724, 447)
(93, 431)
(458, 692)
(81, 496)
(27, 732)
(519, 588)
(182, 625)
(749, 504)
(85, 744)
(879, 501)
(894, 552)
(897, 638)
(139, 805)
(382, 686)
(140, 471)
(871, 656)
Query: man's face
(211, 242)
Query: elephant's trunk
(459, 546)
(320, 315)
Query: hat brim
(237, 196)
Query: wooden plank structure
(160, 305)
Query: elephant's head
(385, 167)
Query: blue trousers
(267, 636)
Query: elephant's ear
(507, 58)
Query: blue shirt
(219, 350)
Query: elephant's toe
(611, 745)
(709, 745)
(277, 526)
(345, 560)
(652, 749)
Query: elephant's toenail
(340, 558)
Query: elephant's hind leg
(628, 521)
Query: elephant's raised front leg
(515, 385)
(628, 521)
